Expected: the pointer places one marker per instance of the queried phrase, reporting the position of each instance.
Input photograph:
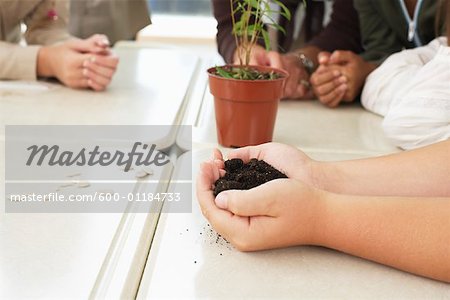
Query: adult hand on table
(340, 77)
(280, 213)
(294, 89)
(79, 63)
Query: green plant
(250, 21)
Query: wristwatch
(306, 62)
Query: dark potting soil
(240, 176)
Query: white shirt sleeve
(419, 114)
(389, 80)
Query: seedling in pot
(254, 18)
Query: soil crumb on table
(240, 176)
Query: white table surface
(188, 261)
(81, 255)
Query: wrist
(369, 68)
(43, 68)
(321, 218)
(306, 62)
(318, 174)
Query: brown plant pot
(246, 110)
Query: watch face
(307, 63)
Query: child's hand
(280, 213)
(292, 162)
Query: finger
(100, 39)
(303, 92)
(80, 83)
(319, 78)
(274, 59)
(257, 57)
(339, 57)
(79, 61)
(290, 87)
(216, 171)
(323, 57)
(217, 154)
(272, 153)
(100, 43)
(223, 221)
(205, 181)
(97, 78)
(328, 87)
(218, 160)
(337, 101)
(220, 164)
(259, 201)
(309, 95)
(99, 69)
(88, 46)
(109, 61)
(246, 153)
(333, 98)
(296, 75)
(96, 86)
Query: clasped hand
(79, 63)
(339, 77)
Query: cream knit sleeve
(18, 62)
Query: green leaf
(277, 27)
(223, 73)
(253, 3)
(285, 12)
(266, 38)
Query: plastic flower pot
(246, 110)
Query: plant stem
(233, 18)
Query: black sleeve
(343, 31)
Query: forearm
(421, 172)
(225, 39)
(411, 234)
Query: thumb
(339, 57)
(94, 44)
(323, 57)
(248, 203)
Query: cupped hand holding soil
(240, 176)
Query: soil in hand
(240, 176)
